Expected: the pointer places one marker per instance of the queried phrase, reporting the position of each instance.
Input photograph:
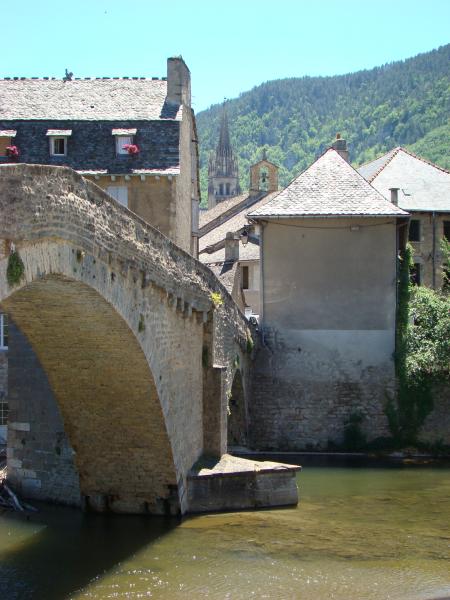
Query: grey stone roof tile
(422, 185)
(329, 187)
(86, 99)
(234, 223)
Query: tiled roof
(369, 170)
(85, 99)
(248, 252)
(422, 185)
(209, 215)
(329, 187)
(234, 223)
(226, 273)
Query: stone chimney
(340, 146)
(178, 81)
(394, 195)
(231, 247)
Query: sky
(229, 45)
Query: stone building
(329, 243)
(423, 189)
(134, 137)
(223, 170)
(229, 245)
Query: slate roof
(212, 213)
(422, 185)
(329, 187)
(236, 222)
(248, 252)
(226, 273)
(85, 100)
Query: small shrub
(15, 269)
(217, 299)
(141, 325)
(354, 438)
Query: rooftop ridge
(393, 153)
(45, 78)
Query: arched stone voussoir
(102, 382)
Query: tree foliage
(422, 353)
(403, 103)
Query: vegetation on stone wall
(406, 103)
(422, 354)
(15, 269)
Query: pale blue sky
(229, 45)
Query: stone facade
(92, 116)
(427, 252)
(117, 317)
(3, 391)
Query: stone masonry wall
(40, 457)
(304, 413)
(423, 250)
(104, 290)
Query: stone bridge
(138, 341)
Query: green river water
(372, 532)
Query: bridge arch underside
(105, 393)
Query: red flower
(12, 151)
(131, 148)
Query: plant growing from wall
(15, 269)
(422, 353)
(217, 299)
(141, 324)
(354, 438)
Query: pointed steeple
(224, 146)
(223, 172)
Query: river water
(372, 532)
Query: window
(121, 141)
(447, 230)
(58, 146)
(3, 332)
(245, 278)
(227, 189)
(220, 189)
(415, 275)
(3, 412)
(119, 193)
(414, 230)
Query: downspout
(433, 252)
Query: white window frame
(3, 328)
(121, 141)
(52, 145)
(119, 193)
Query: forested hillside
(405, 103)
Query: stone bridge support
(137, 356)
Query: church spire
(224, 146)
(223, 172)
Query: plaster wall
(329, 298)
(152, 199)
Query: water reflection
(364, 533)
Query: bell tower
(223, 172)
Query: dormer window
(58, 141)
(124, 140)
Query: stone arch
(237, 412)
(105, 391)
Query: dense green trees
(405, 103)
